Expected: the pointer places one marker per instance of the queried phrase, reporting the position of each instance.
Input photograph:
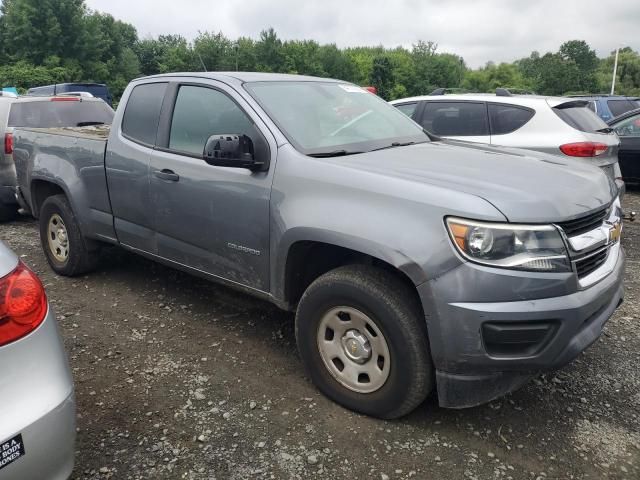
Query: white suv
(556, 125)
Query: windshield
(334, 118)
(48, 114)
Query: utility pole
(237, 48)
(203, 65)
(615, 71)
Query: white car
(556, 125)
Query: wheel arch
(307, 257)
(43, 188)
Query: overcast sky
(478, 30)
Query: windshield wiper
(395, 144)
(605, 130)
(335, 153)
(88, 124)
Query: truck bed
(60, 157)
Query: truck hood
(524, 186)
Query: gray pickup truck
(412, 263)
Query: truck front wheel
(363, 341)
(67, 251)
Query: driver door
(208, 218)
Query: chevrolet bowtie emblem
(615, 231)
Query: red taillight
(65, 99)
(583, 149)
(371, 89)
(8, 143)
(23, 304)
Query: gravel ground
(180, 378)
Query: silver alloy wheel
(354, 349)
(57, 238)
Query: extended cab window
(508, 118)
(141, 116)
(455, 119)
(201, 112)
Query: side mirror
(231, 150)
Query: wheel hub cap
(62, 236)
(356, 346)
(354, 349)
(57, 238)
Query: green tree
(579, 53)
(33, 30)
(382, 76)
(215, 50)
(269, 54)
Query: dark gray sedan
(627, 126)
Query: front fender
(358, 244)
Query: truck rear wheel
(67, 251)
(363, 341)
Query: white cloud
(478, 30)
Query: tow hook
(630, 217)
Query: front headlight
(538, 248)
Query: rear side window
(620, 106)
(201, 112)
(142, 113)
(407, 108)
(52, 114)
(508, 118)
(580, 118)
(455, 119)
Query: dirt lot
(180, 378)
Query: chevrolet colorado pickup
(412, 263)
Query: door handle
(166, 174)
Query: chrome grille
(591, 263)
(584, 224)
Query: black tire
(82, 254)
(394, 308)
(8, 212)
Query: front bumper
(491, 330)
